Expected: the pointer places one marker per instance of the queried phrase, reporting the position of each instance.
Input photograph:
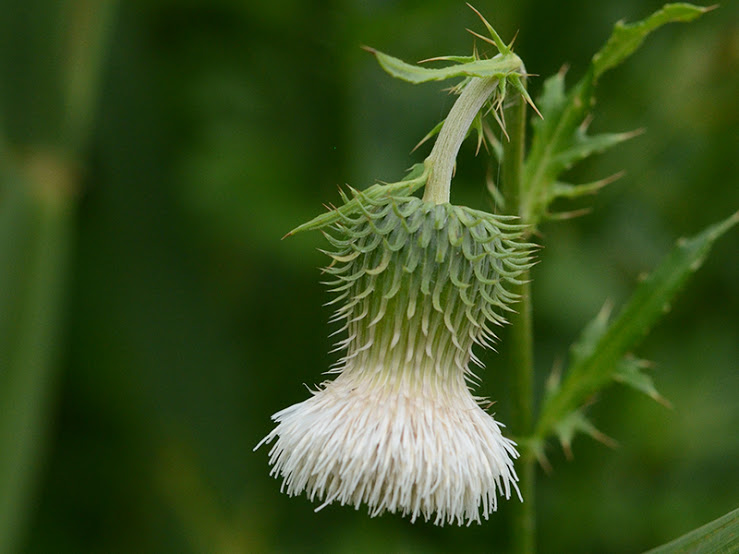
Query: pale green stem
(452, 133)
(521, 339)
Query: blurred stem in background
(521, 335)
(38, 191)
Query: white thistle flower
(398, 429)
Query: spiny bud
(417, 285)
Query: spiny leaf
(568, 190)
(415, 179)
(497, 41)
(477, 127)
(626, 38)
(432, 133)
(494, 191)
(456, 59)
(559, 141)
(562, 216)
(497, 66)
(576, 422)
(630, 371)
(534, 449)
(516, 82)
(584, 146)
(551, 101)
(591, 334)
(598, 352)
(493, 142)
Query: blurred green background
(153, 153)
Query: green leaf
(596, 357)
(497, 66)
(630, 371)
(573, 423)
(551, 102)
(415, 179)
(559, 140)
(625, 38)
(499, 44)
(468, 66)
(591, 334)
(568, 190)
(432, 133)
(721, 536)
(457, 59)
(584, 146)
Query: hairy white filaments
(398, 430)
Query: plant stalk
(521, 338)
(452, 134)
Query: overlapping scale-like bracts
(417, 285)
(418, 279)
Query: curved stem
(452, 133)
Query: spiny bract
(418, 285)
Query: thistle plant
(420, 283)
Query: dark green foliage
(599, 354)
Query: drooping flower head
(418, 284)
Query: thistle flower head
(417, 284)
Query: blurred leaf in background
(217, 127)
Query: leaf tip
(481, 37)
(555, 377)
(513, 40)
(662, 400)
(496, 40)
(602, 438)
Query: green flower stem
(521, 338)
(452, 133)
